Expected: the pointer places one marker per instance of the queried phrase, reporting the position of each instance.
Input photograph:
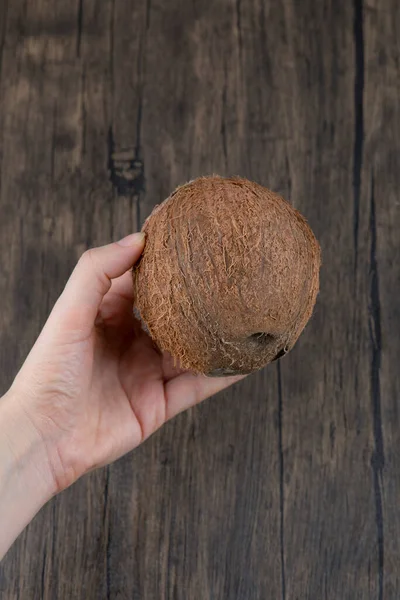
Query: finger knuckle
(87, 256)
(92, 265)
(90, 261)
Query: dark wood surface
(287, 487)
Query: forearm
(25, 482)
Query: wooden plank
(55, 199)
(382, 210)
(329, 514)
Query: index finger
(92, 279)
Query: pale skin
(93, 388)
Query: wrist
(24, 447)
(26, 482)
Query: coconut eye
(262, 337)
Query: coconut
(229, 276)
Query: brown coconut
(229, 276)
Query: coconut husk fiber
(229, 276)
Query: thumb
(91, 278)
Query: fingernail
(134, 239)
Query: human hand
(94, 386)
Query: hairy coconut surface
(229, 275)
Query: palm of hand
(102, 388)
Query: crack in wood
(106, 523)
(281, 482)
(223, 117)
(358, 32)
(79, 28)
(239, 28)
(378, 456)
(126, 170)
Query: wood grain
(287, 486)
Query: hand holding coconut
(227, 282)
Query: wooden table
(287, 487)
